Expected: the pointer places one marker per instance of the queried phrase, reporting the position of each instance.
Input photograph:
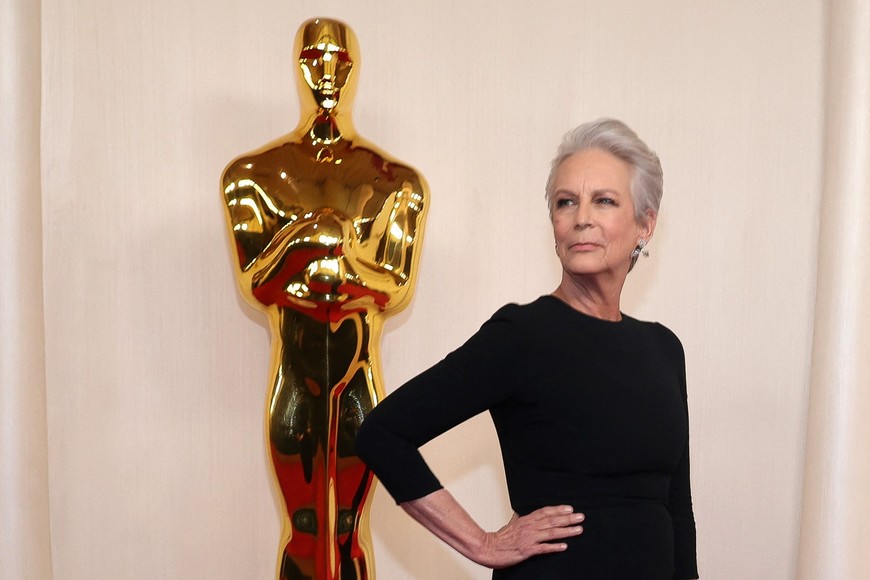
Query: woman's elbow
(365, 441)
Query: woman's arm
(522, 537)
(478, 376)
(680, 495)
(683, 518)
(475, 377)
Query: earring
(639, 249)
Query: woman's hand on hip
(522, 537)
(530, 535)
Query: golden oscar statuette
(326, 229)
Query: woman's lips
(584, 246)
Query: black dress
(588, 412)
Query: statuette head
(328, 54)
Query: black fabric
(588, 412)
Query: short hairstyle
(616, 138)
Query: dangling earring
(639, 249)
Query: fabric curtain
(25, 552)
(835, 525)
(834, 539)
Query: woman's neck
(591, 298)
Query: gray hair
(616, 138)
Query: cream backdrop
(155, 371)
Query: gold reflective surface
(327, 231)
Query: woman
(589, 404)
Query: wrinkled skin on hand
(530, 535)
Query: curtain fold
(835, 523)
(25, 552)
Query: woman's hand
(530, 535)
(522, 537)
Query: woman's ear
(648, 227)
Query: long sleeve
(680, 502)
(475, 377)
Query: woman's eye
(606, 201)
(564, 201)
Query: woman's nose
(582, 216)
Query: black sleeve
(473, 378)
(680, 497)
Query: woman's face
(593, 214)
